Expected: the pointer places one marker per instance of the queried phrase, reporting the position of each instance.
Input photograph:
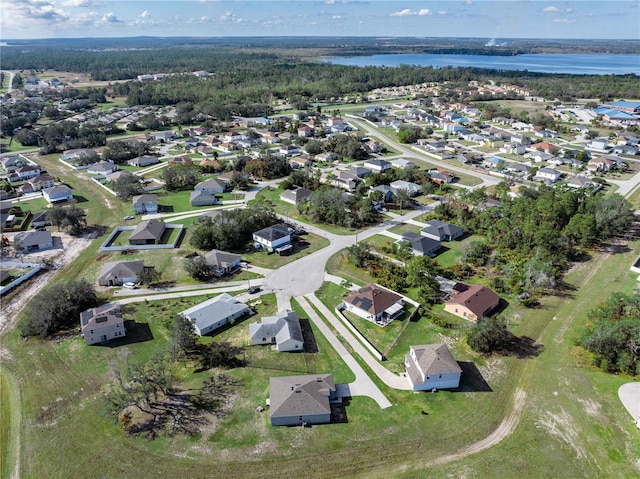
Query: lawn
(309, 243)
(403, 228)
(380, 337)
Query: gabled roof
(149, 229)
(120, 269)
(214, 310)
(28, 239)
(440, 228)
(421, 243)
(58, 190)
(273, 233)
(297, 195)
(211, 183)
(373, 299)
(301, 395)
(474, 297)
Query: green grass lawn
(265, 259)
(404, 228)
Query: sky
(495, 19)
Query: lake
(575, 63)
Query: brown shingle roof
(373, 299)
(478, 299)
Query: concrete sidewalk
(363, 385)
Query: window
(92, 331)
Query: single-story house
(145, 160)
(440, 176)
(116, 273)
(471, 301)
(441, 231)
(214, 313)
(221, 262)
(58, 194)
(28, 241)
(212, 185)
(38, 220)
(432, 366)
(147, 232)
(102, 168)
(300, 400)
(272, 237)
(13, 162)
(403, 164)
(421, 245)
(377, 166)
(412, 189)
(289, 150)
(361, 172)
(204, 198)
(374, 304)
(578, 181)
(548, 175)
(300, 161)
(99, 325)
(297, 196)
(388, 193)
(282, 330)
(146, 203)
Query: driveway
(629, 395)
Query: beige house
(99, 325)
(471, 301)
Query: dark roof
(440, 228)
(101, 314)
(273, 233)
(421, 243)
(373, 299)
(146, 198)
(221, 259)
(149, 229)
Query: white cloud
(404, 13)
(329, 2)
(425, 11)
(442, 12)
(110, 18)
(551, 9)
(81, 3)
(145, 14)
(468, 2)
(337, 17)
(563, 20)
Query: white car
(130, 285)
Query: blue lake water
(575, 63)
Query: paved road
(363, 385)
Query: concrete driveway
(629, 395)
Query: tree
(613, 214)
(127, 185)
(478, 253)
(488, 335)
(403, 198)
(220, 355)
(181, 177)
(57, 308)
(149, 275)
(183, 335)
(197, 267)
(360, 254)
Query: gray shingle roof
(301, 395)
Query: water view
(575, 63)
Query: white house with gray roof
(116, 273)
(215, 313)
(99, 325)
(28, 241)
(299, 400)
(432, 366)
(283, 331)
(272, 237)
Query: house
(215, 313)
(282, 330)
(327, 157)
(300, 161)
(212, 185)
(599, 144)
(577, 181)
(548, 175)
(374, 304)
(29, 241)
(13, 162)
(539, 156)
(441, 231)
(432, 366)
(343, 179)
(147, 232)
(360, 172)
(116, 273)
(513, 148)
(26, 172)
(388, 193)
(440, 176)
(38, 220)
(289, 150)
(305, 131)
(600, 164)
(301, 400)
(144, 160)
(99, 325)
(77, 154)
(297, 196)
(421, 245)
(41, 182)
(546, 147)
(163, 136)
(273, 238)
(403, 164)
(412, 189)
(204, 198)
(471, 302)
(58, 194)
(146, 203)
(378, 166)
(102, 168)
(221, 262)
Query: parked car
(253, 289)
(130, 285)
(129, 217)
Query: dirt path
(506, 427)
